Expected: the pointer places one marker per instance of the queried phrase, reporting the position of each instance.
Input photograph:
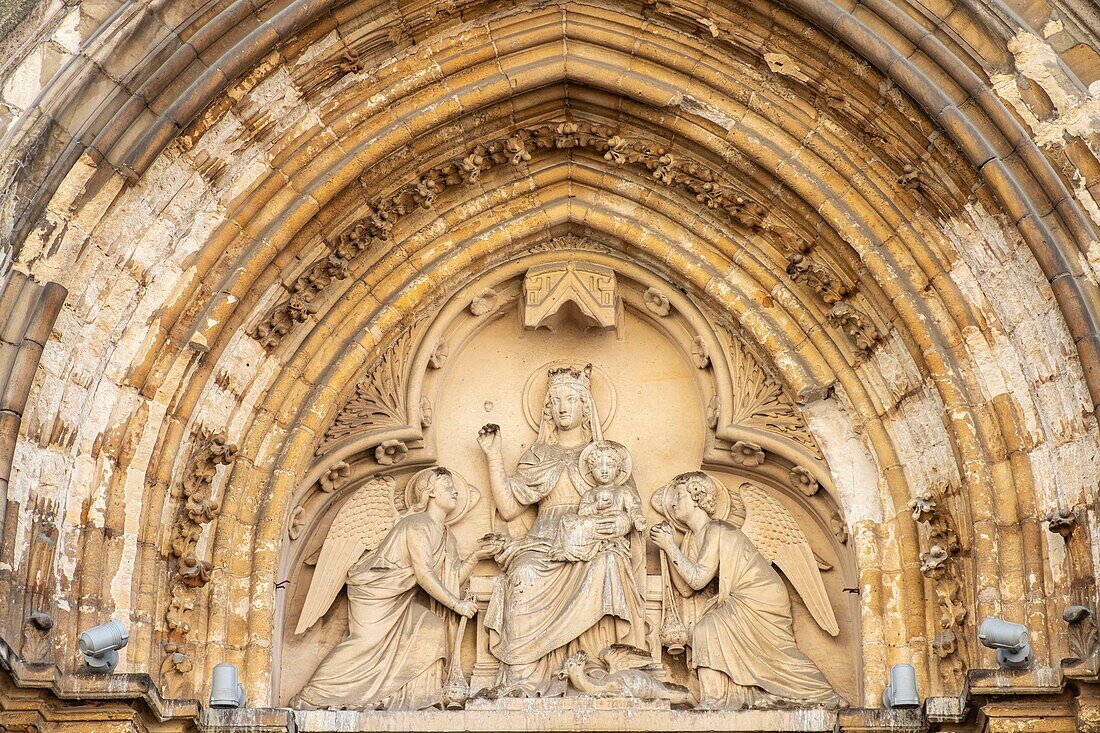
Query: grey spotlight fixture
(1009, 639)
(225, 690)
(100, 645)
(902, 690)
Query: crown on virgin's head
(571, 377)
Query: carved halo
(624, 456)
(468, 496)
(603, 392)
(662, 502)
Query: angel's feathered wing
(775, 533)
(625, 656)
(361, 525)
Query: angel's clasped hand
(661, 534)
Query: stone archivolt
(375, 230)
(179, 169)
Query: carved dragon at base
(624, 675)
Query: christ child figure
(608, 511)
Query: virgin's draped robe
(393, 654)
(746, 630)
(542, 609)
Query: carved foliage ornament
(656, 302)
(36, 631)
(379, 400)
(759, 402)
(1062, 522)
(567, 243)
(1084, 643)
(863, 332)
(1080, 616)
(940, 565)
(375, 230)
(818, 277)
(336, 476)
(191, 573)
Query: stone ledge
(565, 714)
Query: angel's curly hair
(701, 488)
(423, 485)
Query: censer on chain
(673, 633)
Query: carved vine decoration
(375, 230)
(940, 565)
(817, 277)
(833, 291)
(1083, 638)
(863, 332)
(190, 573)
(759, 401)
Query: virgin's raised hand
(489, 439)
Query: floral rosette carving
(297, 522)
(391, 452)
(439, 355)
(656, 302)
(699, 352)
(335, 477)
(485, 302)
(426, 412)
(804, 481)
(714, 408)
(747, 454)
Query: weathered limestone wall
(178, 170)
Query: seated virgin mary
(546, 606)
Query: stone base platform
(565, 714)
(588, 714)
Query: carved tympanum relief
(393, 655)
(571, 587)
